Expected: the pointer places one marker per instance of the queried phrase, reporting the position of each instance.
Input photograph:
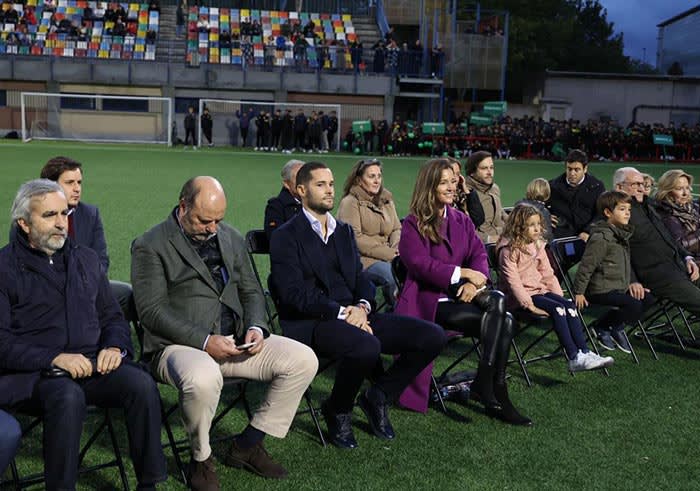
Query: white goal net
(96, 118)
(237, 123)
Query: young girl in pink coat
(527, 279)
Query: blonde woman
(680, 214)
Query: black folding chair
(568, 251)
(323, 365)
(398, 268)
(258, 245)
(525, 320)
(19, 482)
(230, 383)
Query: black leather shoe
(508, 413)
(339, 428)
(377, 416)
(488, 403)
(481, 389)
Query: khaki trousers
(288, 365)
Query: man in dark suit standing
(286, 204)
(84, 222)
(327, 302)
(203, 312)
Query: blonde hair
(649, 177)
(516, 225)
(668, 181)
(424, 205)
(538, 190)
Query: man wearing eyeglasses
(658, 261)
(573, 198)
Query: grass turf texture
(635, 429)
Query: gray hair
(22, 205)
(620, 175)
(287, 169)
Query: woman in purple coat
(447, 284)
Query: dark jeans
(299, 139)
(416, 341)
(62, 403)
(207, 134)
(567, 323)
(629, 312)
(10, 435)
(244, 136)
(188, 134)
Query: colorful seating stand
(38, 40)
(261, 49)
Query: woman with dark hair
(369, 208)
(465, 200)
(447, 283)
(681, 215)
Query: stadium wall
(592, 96)
(172, 75)
(10, 113)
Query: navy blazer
(299, 276)
(280, 210)
(88, 232)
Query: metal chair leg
(117, 452)
(314, 417)
(436, 388)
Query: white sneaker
(589, 361)
(599, 361)
(256, 149)
(194, 148)
(578, 364)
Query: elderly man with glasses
(658, 261)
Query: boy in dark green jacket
(605, 276)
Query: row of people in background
(528, 137)
(273, 131)
(533, 137)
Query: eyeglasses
(639, 184)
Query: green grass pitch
(637, 428)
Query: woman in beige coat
(370, 210)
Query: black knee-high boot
(508, 413)
(482, 388)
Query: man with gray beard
(64, 343)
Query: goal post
(226, 122)
(96, 118)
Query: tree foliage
(573, 35)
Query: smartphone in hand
(245, 346)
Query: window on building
(125, 105)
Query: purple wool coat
(430, 268)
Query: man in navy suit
(326, 301)
(84, 222)
(285, 205)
